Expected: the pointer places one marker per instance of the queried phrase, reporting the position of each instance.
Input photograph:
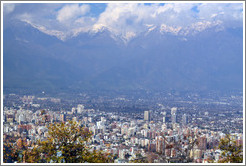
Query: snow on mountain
(150, 28)
(129, 35)
(203, 25)
(59, 34)
(208, 60)
(170, 29)
(192, 29)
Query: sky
(126, 19)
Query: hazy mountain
(209, 58)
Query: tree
(139, 159)
(231, 152)
(10, 154)
(10, 150)
(66, 143)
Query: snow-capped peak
(170, 29)
(59, 34)
(98, 28)
(190, 30)
(128, 35)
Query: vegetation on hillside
(66, 143)
(231, 151)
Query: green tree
(66, 143)
(231, 152)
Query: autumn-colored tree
(10, 154)
(66, 143)
(142, 160)
(10, 150)
(231, 152)
(139, 159)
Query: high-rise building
(173, 113)
(174, 118)
(174, 110)
(184, 119)
(74, 111)
(160, 144)
(63, 117)
(22, 118)
(147, 115)
(164, 117)
(80, 109)
(202, 143)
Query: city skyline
(158, 82)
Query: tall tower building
(63, 117)
(173, 113)
(174, 110)
(147, 115)
(164, 120)
(160, 144)
(164, 117)
(202, 142)
(74, 111)
(174, 118)
(184, 119)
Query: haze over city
(152, 82)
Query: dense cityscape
(124, 82)
(157, 127)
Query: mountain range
(205, 56)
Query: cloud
(71, 12)
(127, 20)
(223, 11)
(8, 8)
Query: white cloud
(8, 8)
(128, 20)
(26, 17)
(124, 19)
(71, 12)
(223, 11)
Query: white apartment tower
(147, 115)
(174, 115)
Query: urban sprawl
(181, 129)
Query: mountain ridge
(208, 60)
(127, 36)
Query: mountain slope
(208, 60)
(29, 64)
